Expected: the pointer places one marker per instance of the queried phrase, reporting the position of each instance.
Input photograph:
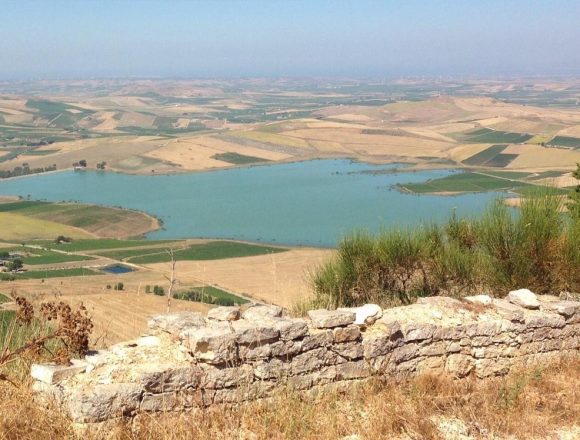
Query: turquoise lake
(304, 203)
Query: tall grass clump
(537, 247)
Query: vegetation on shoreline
(537, 247)
(210, 295)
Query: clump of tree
(101, 165)
(25, 170)
(537, 247)
(61, 239)
(119, 286)
(15, 265)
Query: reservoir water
(304, 203)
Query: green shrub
(537, 248)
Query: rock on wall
(188, 360)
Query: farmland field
(42, 256)
(96, 220)
(489, 136)
(238, 159)
(463, 182)
(56, 273)
(215, 250)
(565, 141)
(92, 245)
(17, 228)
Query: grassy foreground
(526, 404)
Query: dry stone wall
(187, 360)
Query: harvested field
(97, 220)
(16, 227)
(275, 278)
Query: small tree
(15, 265)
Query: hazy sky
(230, 38)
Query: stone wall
(188, 360)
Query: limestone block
(224, 313)
(259, 312)
(175, 323)
(418, 332)
(101, 402)
(286, 349)
(213, 345)
(508, 311)
(433, 349)
(48, 394)
(330, 318)
(289, 328)
(405, 353)
(52, 373)
(352, 370)
(253, 333)
(225, 377)
(365, 315)
(565, 308)
(308, 361)
(348, 350)
(459, 365)
(492, 367)
(524, 298)
(165, 402)
(346, 334)
(163, 378)
(430, 365)
(317, 338)
(272, 369)
(248, 353)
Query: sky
(52, 39)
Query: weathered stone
(52, 373)
(289, 328)
(322, 338)
(165, 402)
(252, 333)
(346, 334)
(484, 300)
(365, 315)
(175, 323)
(308, 361)
(226, 377)
(273, 369)
(102, 402)
(524, 298)
(348, 350)
(418, 332)
(565, 308)
(459, 365)
(224, 313)
(330, 318)
(259, 312)
(213, 345)
(352, 370)
(508, 310)
(160, 378)
(405, 353)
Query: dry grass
(527, 404)
(274, 278)
(17, 227)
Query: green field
(99, 244)
(210, 295)
(42, 274)
(42, 256)
(6, 317)
(215, 250)
(463, 182)
(565, 141)
(508, 174)
(39, 152)
(489, 136)
(491, 157)
(238, 159)
(4, 299)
